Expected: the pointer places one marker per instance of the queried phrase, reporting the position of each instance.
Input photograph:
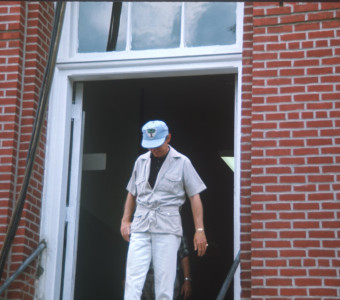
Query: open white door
(73, 195)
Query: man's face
(162, 150)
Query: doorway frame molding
(67, 74)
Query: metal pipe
(229, 278)
(114, 26)
(36, 252)
(37, 128)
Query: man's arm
(200, 241)
(129, 208)
(186, 290)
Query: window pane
(155, 25)
(209, 24)
(94, 25)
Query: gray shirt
(157, 208)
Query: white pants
(162, 250)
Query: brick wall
(247, 69)
(291, 197)
(25, 29)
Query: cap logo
(151, 132)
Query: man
(159, 183)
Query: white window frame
(71, 69)
(70, 54)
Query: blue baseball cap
(154, 134)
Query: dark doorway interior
(199, 111)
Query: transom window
(137, 26)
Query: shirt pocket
(171, 183)
(170, 220)
(140, 185)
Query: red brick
(278, 10)
(331, 169)
(293, 36)
(319, 124)
(292, 18)
(307, 281)
(292, 253)
(293, 272)
(305, 188)
(295, 262)
(320, 88)
(263, 216)
(264, 291)
(323, 272)
(331, 96)
(320, 178)
(305, 225)
(331, 244)
(264, 253)
(330, 150)
(265, 56)
(330, 5)
(320, 215)
(331, 224)
(292, 125)
(281, 81)
(307, 97)
(292, 160)
(331, 24)
(278, 64)
(292, 72)
(321, 43)
(292, 197)
(331, 61)
(332, 282)
(280, 29)
(294, 45)
(293, 292)
(276, 263)
(307, 26)
(277, 225)
(279, 98)
(279, 170)
(320, 160)
(278, 152)
(265, 21)
(307, 44)
(323, 15)
(306, 63)
(290, 55)
(321, 34)
(319, 71)
(306, 244)
(278, 282)
(323, 292)
(309, 263)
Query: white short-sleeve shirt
(158, 208)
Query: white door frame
(54, 212)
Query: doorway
(199, 111)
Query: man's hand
(186, 290)
(125, 225)
(200, 243)
(125, 230)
